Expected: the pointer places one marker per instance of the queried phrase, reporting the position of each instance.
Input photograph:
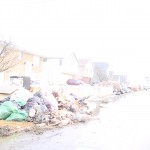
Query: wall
(25, 67)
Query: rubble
(45, 108)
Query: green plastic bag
(6, 109)
(21, 102)
(18, 116)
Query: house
(63, 68)
(18, 62)
(47, 70)
(86, 70)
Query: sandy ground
(11, 127)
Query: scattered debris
(44, 108)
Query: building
(86, 70)
(63, 68)
(18, 62)
(146, 82)
(43, 69)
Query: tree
(100, 72)
(8, 56)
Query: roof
(17, 48)
(83, 61)
(53, 55)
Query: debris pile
(45, 107)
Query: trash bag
(21, 102)
(16, 104)
(4, 100)
(51, 102)
(18, 116)
(6, 109)
(33, 101)
(21, 96)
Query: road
(122, 125)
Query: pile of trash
(47, 107)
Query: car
(74, 82)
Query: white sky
(113, 30)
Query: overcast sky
(114, 30)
